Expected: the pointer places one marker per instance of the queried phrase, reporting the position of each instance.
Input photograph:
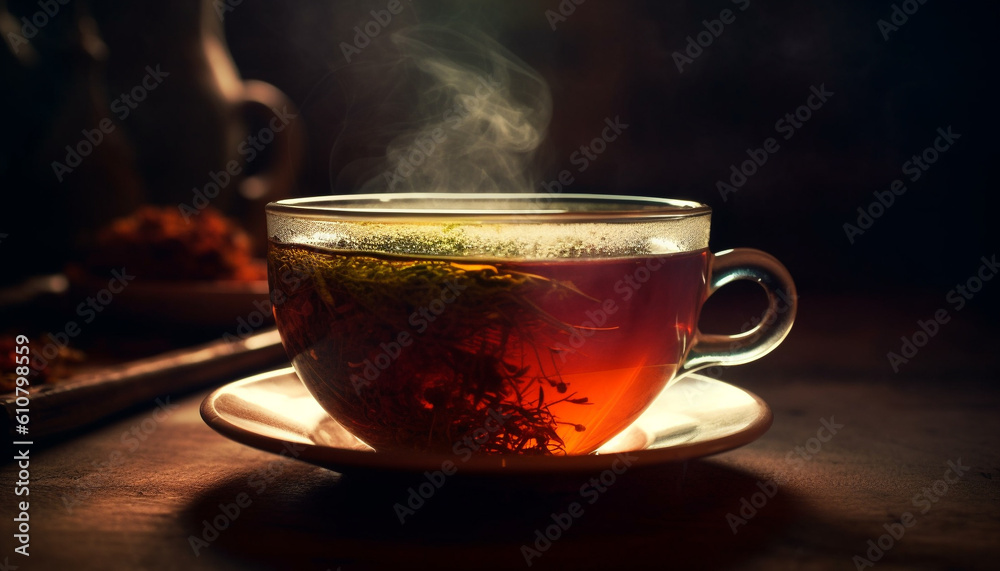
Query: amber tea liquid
(484, 356)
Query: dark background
(610, 58)
(607, 59)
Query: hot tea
(464, 355)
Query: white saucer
(695, 416)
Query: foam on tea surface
(531, 241)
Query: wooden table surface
(800, 497)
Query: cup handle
(753, 265)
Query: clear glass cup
(503, 323)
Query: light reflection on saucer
(695, 416)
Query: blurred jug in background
(121, 104)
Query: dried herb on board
(478, 354)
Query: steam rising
(481, 113)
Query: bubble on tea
(522, 240)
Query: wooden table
(799, 497)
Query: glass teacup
(503, 323)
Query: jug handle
(277, 179)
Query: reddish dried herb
(475, 360)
